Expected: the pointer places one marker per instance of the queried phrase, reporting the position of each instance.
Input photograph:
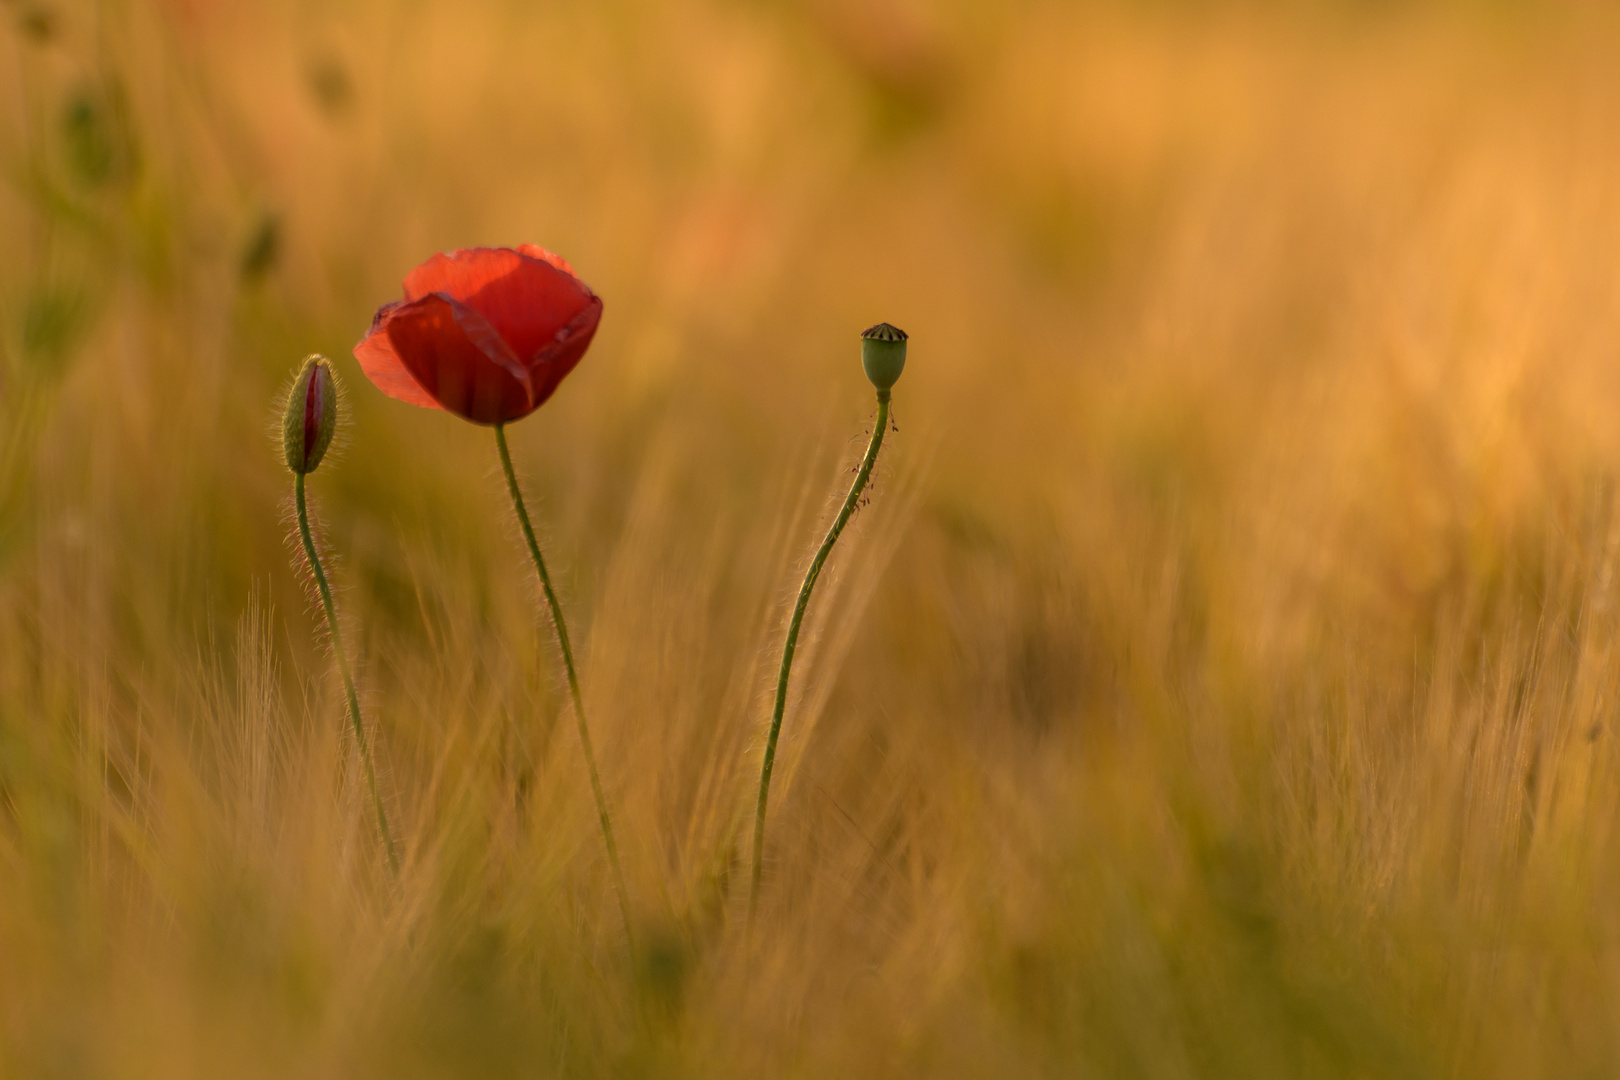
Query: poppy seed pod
(883, 355)
(311, 415)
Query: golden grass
(1221, 682)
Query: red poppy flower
(485, 333)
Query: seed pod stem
(343, 669)
(573, 680)
(850, 502)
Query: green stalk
(573, 680)
(855, 490)
(343, 668)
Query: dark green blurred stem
(343, 669)
(855, 490)
(573, 680)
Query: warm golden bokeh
(1222, 681)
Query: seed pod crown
(883, 355)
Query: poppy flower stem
(343, 669)
(573, 679)
(816, 564)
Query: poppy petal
(464, 271)
(460, 273)
(535, 251)
(383, 366)
(528, 294)
(531, 305)
(566, 349)
(460, 360)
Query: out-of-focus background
(1221, 682)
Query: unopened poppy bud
(883, 355)
(311, 415)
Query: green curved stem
(343, 668)
(573, 680)
(855, 490)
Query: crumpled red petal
(528, 298)
(566, 349)
(459, 360)
(459, 273)
(383, 366)
(535, 251)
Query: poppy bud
(311, 415)
(883, 355)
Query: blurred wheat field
(1222, 681)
